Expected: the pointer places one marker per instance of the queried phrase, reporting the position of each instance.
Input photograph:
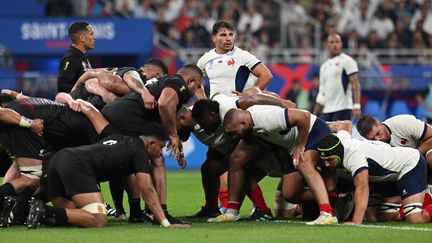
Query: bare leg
(420, 217)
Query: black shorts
(68, 175)
(26, 144)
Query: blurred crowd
(367, 24)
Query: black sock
(116, 189)
(6, 190)
(58, 214)
(164, 207)
(135, 206)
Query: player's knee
(413, 212)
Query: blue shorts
(415, 181)
(319, 130)
(337, 115)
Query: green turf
(185, 197)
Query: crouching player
(74, 175)
(378, 162)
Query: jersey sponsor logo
(66, 66)
(404, 192)
(404, 141)
(110, 142)
(231, 62)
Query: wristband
(25, 122)
(356, 106)
(165, 223)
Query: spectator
(382, 24)
(145, 9)
(252, 18)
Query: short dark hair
(365, 124)
(202, 109)
(193, 68)
(221, 24)
(158, 63)
(156, 130)
(77, 28)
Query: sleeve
(355, 162)
(109, 130)
(342, 134)
(350, 66)
(249, 60)
(69, 68)
(226, 103)
(176, 83)
(141, 162)
(411, 126)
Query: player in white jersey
(228, 67)
(399, 131)
(339, 85)
(297, 132)
(379, 162)
(220, 146)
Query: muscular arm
(263, 74)
(149, 195)
(300, 119)
(167, 105)
(426, 144)
(98, 121)
(86, 76)
(133, 80)
(15, 95)
(11, 117)
(356, 90)
(261, 99)
(361, 196)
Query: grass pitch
(185, 197)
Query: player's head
(223, 36)
(155, 137)
(334, 44)
(206, 114)
(238, 124)
(193, 76)
(185, 123)
(370, 128)
(154, 68)
(5, 99)
(331, 150)
(82, 34)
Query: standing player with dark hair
(339, 86)
(228, 67)
(75, 62)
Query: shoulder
(346, 58)
(205, 58)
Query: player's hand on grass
(149, 101)
(37, 127)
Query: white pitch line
(408, 228)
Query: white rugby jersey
(335, 91)
(405, 131)
(271, 124)
(219, 140)
(227, 72)
(385, 163)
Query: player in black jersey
(63, 127)
(74, 173)
(75, 62)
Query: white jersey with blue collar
(227, 72)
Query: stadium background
(390, 40)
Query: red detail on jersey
(231, 62)
(404, 141)
(337, 64)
